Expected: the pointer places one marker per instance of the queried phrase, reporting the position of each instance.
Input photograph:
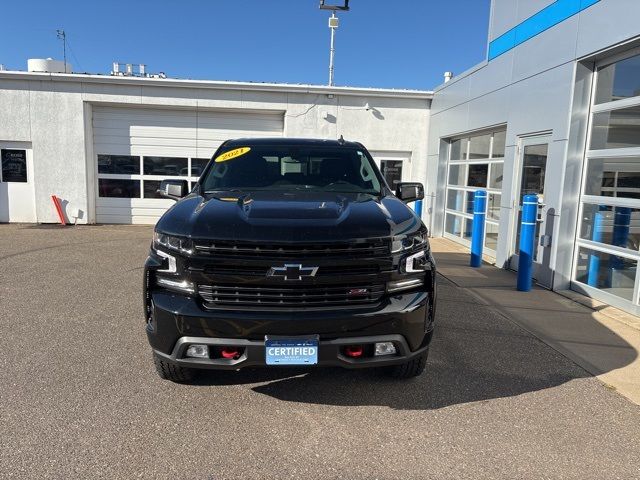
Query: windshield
(282, 168)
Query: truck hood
(288, 217)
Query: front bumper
(176, 321)
(329, 353)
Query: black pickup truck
(289, 252)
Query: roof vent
(133, 70)
(48, 65)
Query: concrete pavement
(79, 397)
(603, 340)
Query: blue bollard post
(527, 242)
(594, 259)
(621, 224)
(620, 238)
(477, 229)
(417, 207)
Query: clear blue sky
(380, 43)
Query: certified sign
(291, 351)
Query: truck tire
(172, 372)
(410, 369)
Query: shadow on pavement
(454, 375)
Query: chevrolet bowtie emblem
(292, 271)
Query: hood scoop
(294, 210)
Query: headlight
(404, 243)
(415, 263)
(177, 244)
(183, 286)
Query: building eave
(217, 85)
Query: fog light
(408, 284)
(198, 351)
(385, 348)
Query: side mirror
(173, 189)
(409, 191)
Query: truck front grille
(290, 297)
(368, 248)
(239, 269)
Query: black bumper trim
(329, 353)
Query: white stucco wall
(53, 113)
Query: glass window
(619, 80)
(613, 177)
(618, 226)
(491, 236)
(616, 129)
(478, 175)
(197, 166)
(493, 206)
(150, 189)
(455, 199)
(628, 180)
(119, 164)
(392, 172)
(453, 224)
(459, 149)
(479, 147)
(470, 202)
(495, 176)
(170, 166)
(467, 172)
(14, 166)
(468, 228)
(119, 188)
(611, 273)
(533, 169)
(499, 141)
(457, 174)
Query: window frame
(586, 199)
(141, 177)
(463, 216)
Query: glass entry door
(533, 156)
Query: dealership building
(554, 110)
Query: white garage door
(137, 148)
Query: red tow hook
(354, 351)
(230, 353)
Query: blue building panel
(546, 18)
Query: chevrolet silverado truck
(289, 252)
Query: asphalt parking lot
(79, 397)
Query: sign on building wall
(392, 171)
(14, 165)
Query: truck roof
(239, 142)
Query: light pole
(334, 23)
